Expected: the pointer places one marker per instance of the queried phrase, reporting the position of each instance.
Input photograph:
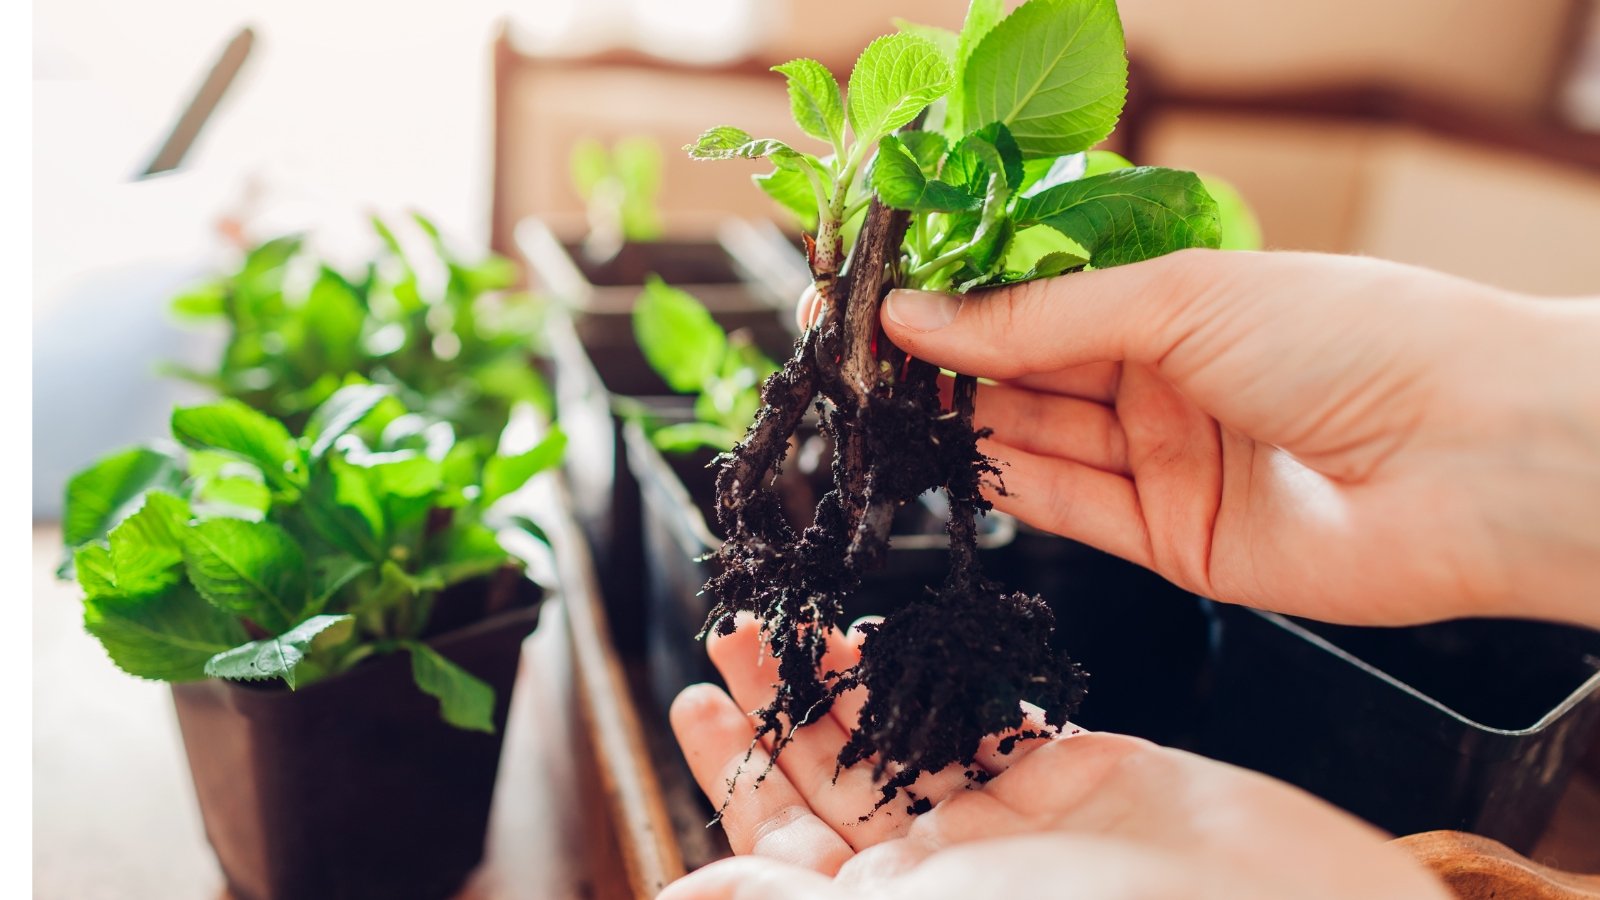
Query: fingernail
(922, 310)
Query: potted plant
(340, 619)
(446, 333)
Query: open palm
(1108, 815)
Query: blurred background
(1458, 134)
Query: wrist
(1548, 508)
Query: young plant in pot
(968, 161)
(341, 622)
(446, 333)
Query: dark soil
(941, 673)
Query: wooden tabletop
(114, 813)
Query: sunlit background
(1458, 134)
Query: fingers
(1071, 499)
(1052, 425)
(1134, 312)
(773, 820)
(749, 878)
(809, 308)
(810, 759)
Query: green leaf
(1240, 228)
(465, 701)
(471, 550)
(1054, 71)
(341, 505)
(638, 166)
(686, 437)
(1030, 245)
(203, 301)
(793, 191)
(1127, 215)
(92, 565)
(926, 147)
(251, 569)
(331, 574)
(895, 78)
(146, 548)
(680, 339)
(332, 319)
(724, 142)
(943, 38)
(234, 428)
(107, 492)
(814, 100)
(901, 184)
(989, 150)
(166, 636)
(1048, 266)
(504, 474)
(340, 413)
(982, 16)
(588, 164)
(277, 657)
(1099, 162)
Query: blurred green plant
(251, 554)
(448, 336)
(619, 188)
(694, 355)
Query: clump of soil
(942, 673)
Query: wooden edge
(638, 812)
(1477, 868)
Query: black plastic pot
(676, 495)
(1473, 725)
(747, 278)
(351, 787)
(1148, 645)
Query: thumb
(1132, 313)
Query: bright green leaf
(1099, 162)
(146, 548)
(895, 78)
(680, 339)
(107, 492)
(814, 100)
(686, 437)
(793, 190)
(1240, 228)
(251, 569)
(231, 427)
(900, 183)
(340, 413)
(277, 657)
(1127, 215)
(504, 474)
(167, 636)
(982, 16)
(465, 701)
(989, 150)
(1054, 71)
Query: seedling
(694, 355)
(250, 554)
(965, 160)
(444, 333)
(619, 189)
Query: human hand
(1336, 437)
(1104, 815)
